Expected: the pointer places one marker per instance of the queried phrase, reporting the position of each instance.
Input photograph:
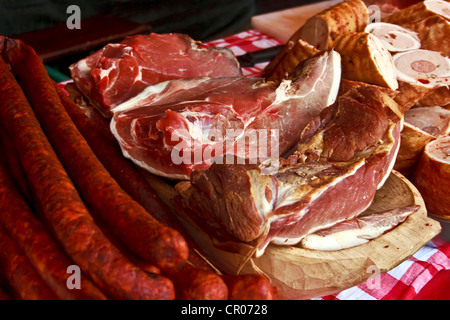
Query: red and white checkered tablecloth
(424, 275)
(247, 41)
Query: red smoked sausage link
(60, 202)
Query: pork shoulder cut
(121, 70)
(178, 126)
(343, 157)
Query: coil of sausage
(62, 206)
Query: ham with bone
(178, 126)
(344, 156)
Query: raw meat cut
(121, 70)
(178, 126)
(343, 157)
(366, 59)
(357, 231)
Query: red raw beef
(178, 126)
(121, 70)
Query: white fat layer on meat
(405, 70)
(387, 147)
(104, 73)
(157, 89)
(368, 229)
(340, 240)
(336, 67)
(394, 37)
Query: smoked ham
(343, 157)
(432, 177)
(178, 126)
(119, 71)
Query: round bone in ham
(432, 177)
(394, 37)
(422, 67)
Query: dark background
(203, 20)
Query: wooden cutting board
(282, 24)
(302, 274)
